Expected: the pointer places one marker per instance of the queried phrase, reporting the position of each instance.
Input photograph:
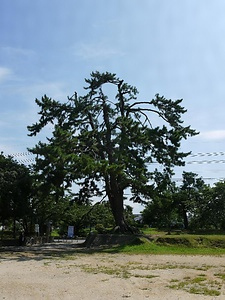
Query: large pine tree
(106, 140)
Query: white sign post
(70, 231)
(36, 229)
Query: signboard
(70, 231)
(36, 228)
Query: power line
(21, 157)
(18, 154)
(198, 154)
(206, 162)
(207, 154)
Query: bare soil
(64, 271)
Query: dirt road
(37, 274)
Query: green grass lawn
(153, 248)
(183, 243)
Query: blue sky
(174, 48)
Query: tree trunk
(116, 204)
(116, 200)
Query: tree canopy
(106, 142)
(191, 205)
(15, 191)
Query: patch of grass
(190, 240)
(152, 247)
(203, 268)
(113, 271)
(178, 286)
(168, 266)
(145, 276)
(153, 231)
(136, 270)
(122, 271)
(198, 279)
(202, 243)
(220, 275)
(203, 291)
(197, 285)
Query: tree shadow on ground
(62, 250)
(43, 252)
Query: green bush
(100, 228)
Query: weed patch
(113, 271)
(145, 276)
(221, 276)
(197, 285)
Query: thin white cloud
(213, 135)
(5, 73)
(28, 91)
(100, 50)
(14, 119)
(14, 51)
(52, 89)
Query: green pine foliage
(105, 142)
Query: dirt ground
(64, 272)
